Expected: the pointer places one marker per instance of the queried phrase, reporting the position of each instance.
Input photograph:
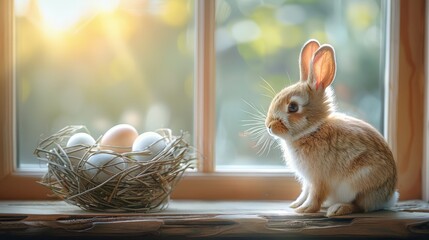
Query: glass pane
(257, 47)
(100, 63)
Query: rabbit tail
(376, 201)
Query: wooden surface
(408, 111)
(214, 219)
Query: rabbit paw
(296, 204)
(308, 208)
(339, 209)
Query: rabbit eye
(292, 107)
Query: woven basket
(137, 187)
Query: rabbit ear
(307, 52)
(323, 67)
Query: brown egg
(119, 138)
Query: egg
(101, 166)
(119, 138)
(77, 146)
(80, 139)
(151, 141)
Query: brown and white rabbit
(342, 163)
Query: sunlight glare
(61, 16)
(106, 6)
(21, 7)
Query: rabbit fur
(343, 163)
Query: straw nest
(133, 185)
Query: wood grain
(410, 99)
(205, 85)
(6, 90)
(233, 186)
(221, 220)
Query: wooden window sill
(215, 219)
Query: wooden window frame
(407, 132)
(425, 168)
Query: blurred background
(104, 62)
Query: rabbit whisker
(255, 121)
(255, 115)
(268, 96)
(259, 112)
(256, 128)
(266, 146)
(268, 86)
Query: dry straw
(139, 187)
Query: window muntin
(259, 42)
(99, 63)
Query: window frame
(425, 168)
(406, 64)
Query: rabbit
(342, 163)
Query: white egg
(77, 146)
(101, 166)
(151, 141)
(80, 139)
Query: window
(231, 19)
(257, 48)
(100, 63)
